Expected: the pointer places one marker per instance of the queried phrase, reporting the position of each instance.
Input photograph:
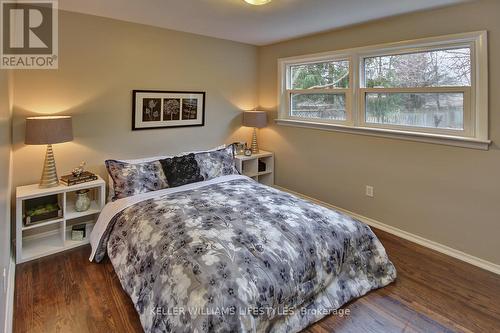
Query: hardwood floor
(433, 293)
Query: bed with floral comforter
(232, 255)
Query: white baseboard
(489, 266)
(9, 315)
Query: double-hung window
(434, 88)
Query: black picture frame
(191, 109)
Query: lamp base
(254, 147)
(49, 172)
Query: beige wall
(446, 194)
(100, 62)
(5, 169)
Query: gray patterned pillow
(131, 179)
(216, 163)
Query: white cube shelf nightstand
(249, 166)
(54, 234)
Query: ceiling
(238, 21)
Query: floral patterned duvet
(237, 256)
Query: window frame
(335, 91)
(475, 131)
(468, 119)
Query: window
(425, 91)
(319, 90)
(435, 87)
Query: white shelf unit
(249, 166)
(44, 238)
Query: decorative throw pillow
(152, 159)
(131, 179)
(181, 170)
(217, 163)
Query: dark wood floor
(433, 293)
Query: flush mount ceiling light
(257, 2)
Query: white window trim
(475, 97)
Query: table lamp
(48, 130)
(255, 119)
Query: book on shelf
(71, 179)
(79, 232)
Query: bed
(227, 254)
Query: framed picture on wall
(162, 109)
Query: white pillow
(111, 191)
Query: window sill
(463, 142)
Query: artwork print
(152, 109)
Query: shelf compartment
(269, 162)
(266, 178)
(95, 206)
(42, 244)
(249, 167)
(69, 243)
(71, 213)
(45, 218)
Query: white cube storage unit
(54, 235)
(249, 166)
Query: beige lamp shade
(256, 119)
(48, 130)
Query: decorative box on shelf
(39, 210)
(54, 233)
(258, 166)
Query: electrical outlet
(369, 191)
